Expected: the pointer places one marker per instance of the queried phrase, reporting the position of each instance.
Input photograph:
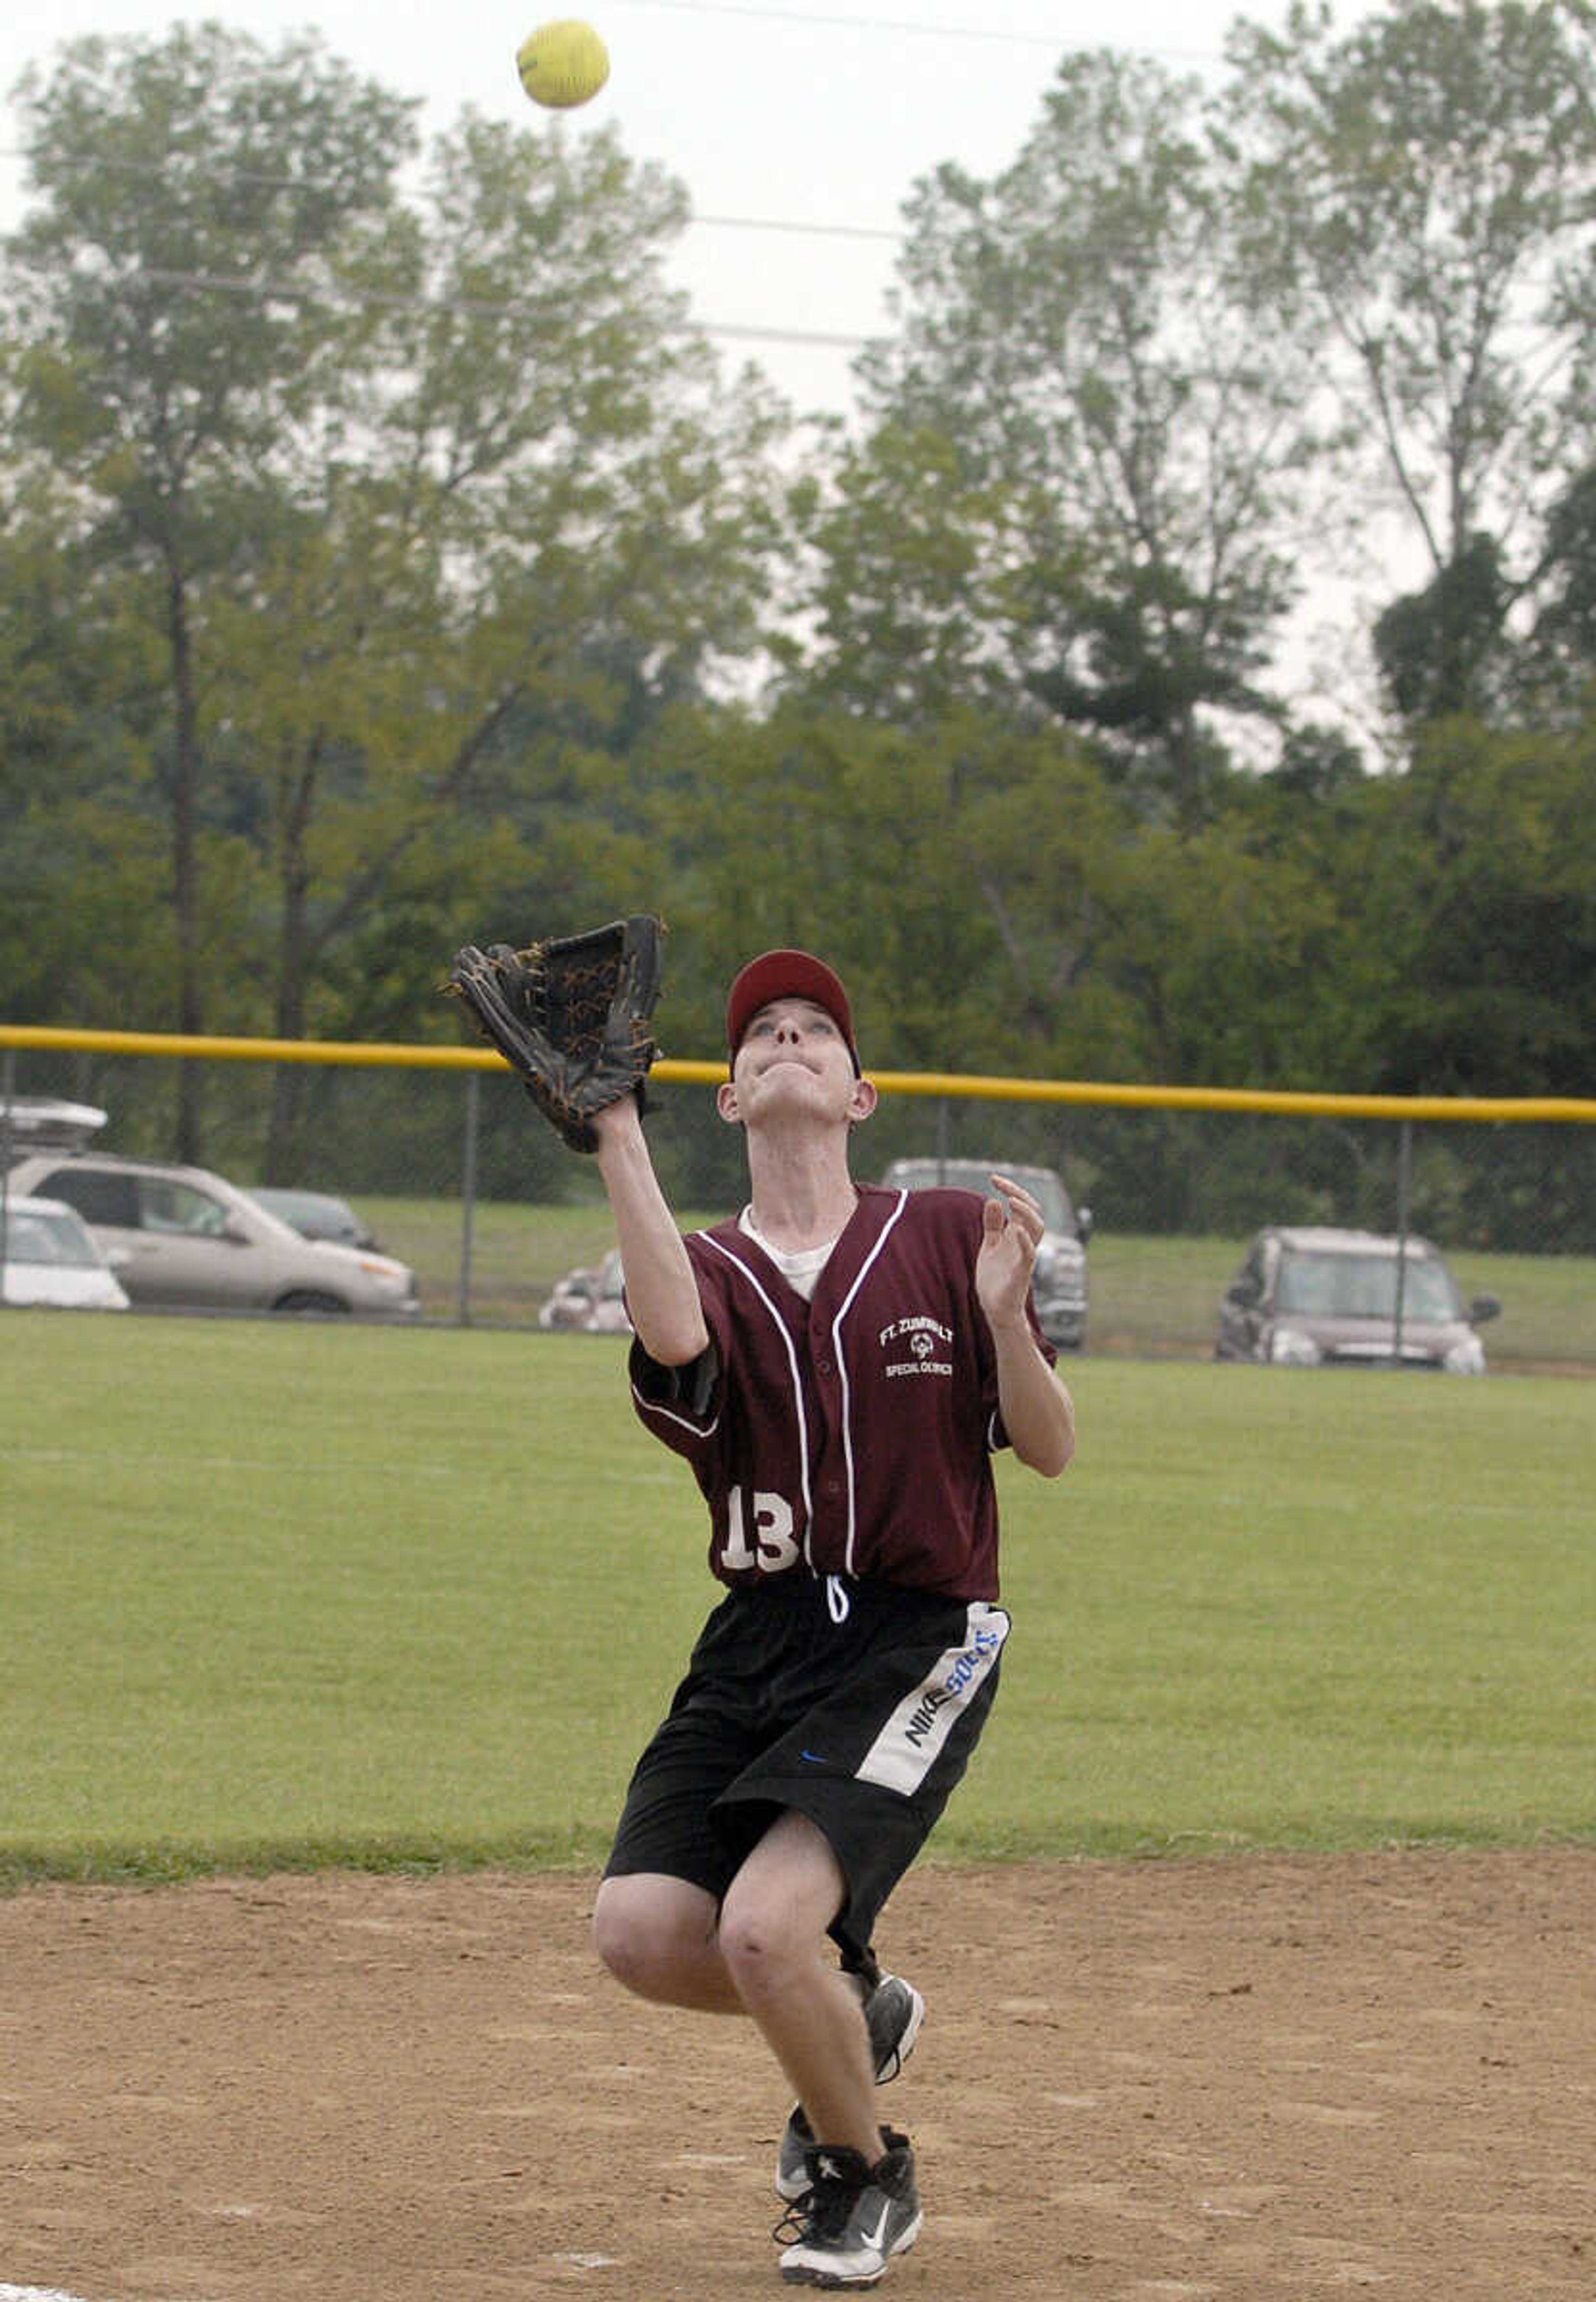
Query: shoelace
(820, 2212)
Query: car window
(28, 1239)
(1427, 1293)
(35, 1237)
(974, 1175)
(101, 1195)
(166, 1206)
(1362, 1287)
(292, 1206)
(315, 1214)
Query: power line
(856, 23)
(273, 291)
(260, 181)
(1057, 41)
(879, 234)
(1106, 250)
(823, 231)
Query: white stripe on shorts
(909, 1745)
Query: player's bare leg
(773, 1940)
(763, 1953)
(661, 1937)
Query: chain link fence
(440, 1152)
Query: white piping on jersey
(842, 1368)
(653, 1406)
(737, 1264)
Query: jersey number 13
(768, 1543)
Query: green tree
(428, 501)
(909, 576)
(164, 406)
(995, 898)
(1445, 649)
(1083, 413)
(1420, 194)
(1562, 671)
(558, 529)
(948, 868)
(1482, 885)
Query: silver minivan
(183, 1238)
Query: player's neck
(802, 1193)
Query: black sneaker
(852, 2218)
(893, 2014)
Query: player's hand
(1012, 1234)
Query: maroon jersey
(852, 1434)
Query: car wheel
(306, 1299)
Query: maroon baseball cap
(786, 975)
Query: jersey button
(832, 1487)
(824, 1367)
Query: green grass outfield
(278, 1595)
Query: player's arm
(1037, 1411)
(661, 1291)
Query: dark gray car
(1059, 1283)
(316, 1215)
(1311, 1295)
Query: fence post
(1404, 1200)
(468, 1194)
(8, 1089)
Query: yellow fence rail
(1100, 1092)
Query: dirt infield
(1260, 2079)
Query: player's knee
(622, 1942)
(637, 1941)
(759, 1947)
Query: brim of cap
(786, 975)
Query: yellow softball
(563, 64)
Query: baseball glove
(571, 1016)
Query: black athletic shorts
(865, 1726)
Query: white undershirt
(800, 1271)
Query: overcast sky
(773, 112)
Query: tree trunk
(293, 966)
(184, 865)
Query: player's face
(793, 1054)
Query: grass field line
(125, 1456)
